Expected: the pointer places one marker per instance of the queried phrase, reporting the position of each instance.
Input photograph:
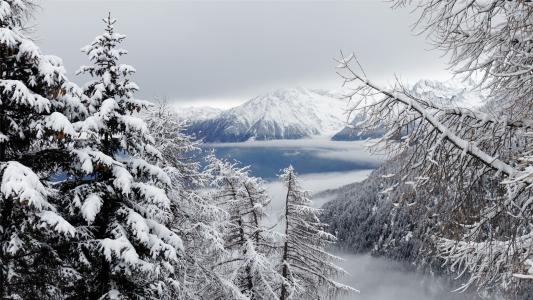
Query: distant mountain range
(284, 114)
(449, 93)
(197, 114)
(444, 93)
(300, 113)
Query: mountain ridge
(295, 113)
(291, 113)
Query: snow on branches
(306, 267)
(37, 106)
(120, 187)
(250, 245)
(470, 166)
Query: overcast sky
(224, 52)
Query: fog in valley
(376, 278)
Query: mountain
(354, 132)
(284, 114)
(444, 93)
(197, 114)
(364, 218)
(449, 93)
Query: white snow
(120, 247)
(134, 124)
(153, 196)
(59, 123)
(283, 114)
(108, 108)
(23, 96)
(19, 181)
(123, 179)
(5, 10)
(29, 49)
(88, 157)
(8, 37)
(143, 167)
(91, 207)
(449, 93)
(300, 108)
(52, 219)
(195, 114)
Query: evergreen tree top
(103, 50)
(111, 78)
(13, 12)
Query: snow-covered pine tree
(120, 204)
(37, 103)
(307, 268)
(249, 243)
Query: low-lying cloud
(376, 278)
(382, 279)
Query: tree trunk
(248, 270)
(254, 214)
(103, 278)
(5, 222)
(285, 271)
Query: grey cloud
(192, 51)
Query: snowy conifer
(120, 193)
(249, 243)
(197, 219)
(37, 103)
(307, 269)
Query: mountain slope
(353, 132)
(283, 114)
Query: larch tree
(307, 268)
(37, 105)
(196, 218)
(249, 243)
(471, 168)
(126, 248)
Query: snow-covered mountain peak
(196, 114)
(282, 114)
(294, 107)
(286, 93)
(450, 92)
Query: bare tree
(471, 168)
